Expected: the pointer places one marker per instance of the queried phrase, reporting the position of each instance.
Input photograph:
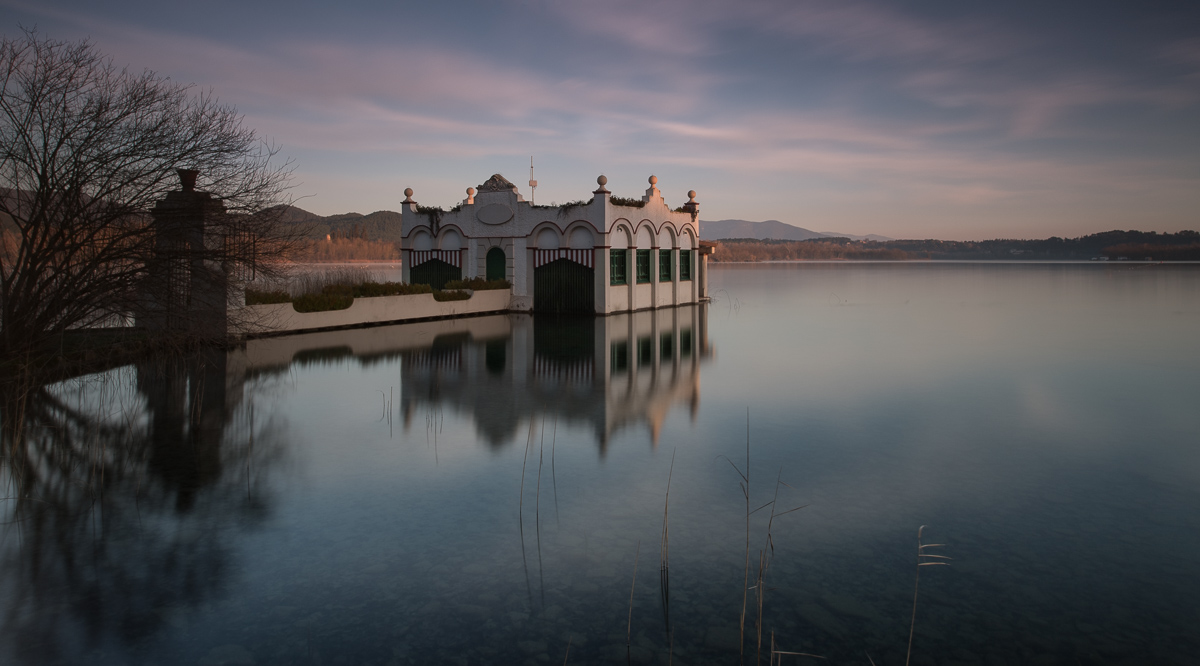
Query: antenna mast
(532, 182)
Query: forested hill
(1133, 245)
(1113, 244)
(382, 225)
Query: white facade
(552, 252)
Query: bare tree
(86, 150)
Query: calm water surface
(481, 491)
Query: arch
(450, 240)
(497, 264)
(686, 240)
(581, 238)
(421, 240)
(621, 237)
(645, 236)
(547, 239)
(666, 236)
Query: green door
(496, 264)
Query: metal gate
(564, 286)
(435, 273)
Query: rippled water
(481, 490)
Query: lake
(492, 490)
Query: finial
(601, 181)
(187, 179)
(470, 195)
(408, 195)
(691, 196)
(653, 180)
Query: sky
(952, 120)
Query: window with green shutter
(665, 272)
(643, 266)
(685, 265)
(618, 266)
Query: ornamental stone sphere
(602, 181)
(408, 192)
(654, 180)
(470, 191)
(691, 194)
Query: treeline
(741, 250)
(1083, 247)
(1134, 245)
(1141, 251)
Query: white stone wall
(282, 317)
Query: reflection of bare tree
(121, 494)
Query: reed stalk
(746, 579)
(665, 545)
(664, 572)
(629, 624)
(917, 586)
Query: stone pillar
(188, 279)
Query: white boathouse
(602, 256)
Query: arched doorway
(564, 286)
(496, 264)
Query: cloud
(905, 112)
(852, 30)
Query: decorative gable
(497, 183)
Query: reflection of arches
(497, 264)
(495, 356)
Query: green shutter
(685, 265)
(665, 272)
(618, 266)
(643, 266)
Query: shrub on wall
(450, 295)
(256, 297)
(332, 297)
(478, 284)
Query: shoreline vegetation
(1111, 245)
(336, 290)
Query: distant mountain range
(772, 230)
(385, 225)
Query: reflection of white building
(609, 373)
(600, 256)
